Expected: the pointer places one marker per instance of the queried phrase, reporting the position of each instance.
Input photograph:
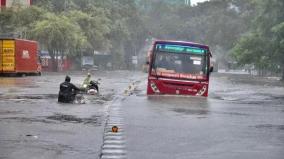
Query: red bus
(179, 68)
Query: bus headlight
(201, 91)
(154, 87)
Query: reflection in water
(29, 96)
(18, 82)
(243, 89)
(94, 120)
(181, 104)
(270, 126)
(191, 111)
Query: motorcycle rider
(67, 91)
(87, 80)
(89, 84)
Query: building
(15, 3)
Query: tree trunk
(56, 61)
(282, 79)
(61, 60)
(54, 58)
(53, 62)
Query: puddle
(107, 97)
(9, 112)
(27, 120)
(230, 113)
(29, 96)
(139, 92)
(191, 111)
(215, 96)
(248, 97)
(270, 126)
(101, 99)
(279, 97)
(204, 111)
(94, 120)
(137, 82)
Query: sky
(194, 2)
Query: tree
(217, 23)
(266, 41)
(95, 26)
(278, 42)
(7, 19)
(252, 49)
(59, 35)
(26, 19)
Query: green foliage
(278, 41)
(7, 18)
(77, 27)
(216, 23)
(252, 49)
(265, 47)
(278, 44)
(251, 29)
(94, 26)
(59, 35)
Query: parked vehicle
(88, 64)
(19, 57)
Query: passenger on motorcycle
(94, 85)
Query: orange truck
(19, 57)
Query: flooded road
(34, 125)
(243, 117)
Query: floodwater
(34, 125)
(243, 117)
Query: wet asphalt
(243, 117)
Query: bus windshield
(179, 60)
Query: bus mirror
(211, 69)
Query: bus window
(180, 63)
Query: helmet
(67, 79)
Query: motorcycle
(92, 88)
(76, 98)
